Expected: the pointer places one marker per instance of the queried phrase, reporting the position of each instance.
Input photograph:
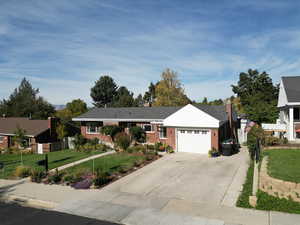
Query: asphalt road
(13, 214)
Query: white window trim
(159, 132)
(89, 132)
(152, 128)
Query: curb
(31, 202)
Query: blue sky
(63, 46)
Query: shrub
(56, 177)
(158, 146)
(169, 149)
(23, 171)
(138, 134)
(101, 178)
(94, 141)
(285, 141)
(136, 148)
(255, 133)
(111, 130)
(270, 141)
(68, 178)
(138, 162)
(79, 141)
(37, 175)
(122, 140)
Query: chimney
(228, 108)
(52, 122)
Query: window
(204, 132)
(189, 131)
(296, 114)
(196, 131)
(162, 132)
(93, 128)
(182, 131)
(147, 127)
(1, 139)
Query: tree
(123, 98)
(104, 91)
(205, 101)
(138, 101)
(61, 131)
(258, 96)
(25, 102)
(169, 91)
(73, 109)
(149, 96)
(20, 137)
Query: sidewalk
(81, 161)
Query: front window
(147, 127)
(162, 132)
(93, 128)
(296, 114)
(1, 139)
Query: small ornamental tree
(255, 133)
(111, 130)
(20, 137)
(137, 134)
(122, 140)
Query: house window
(296, 114)
(1, 139)
(196, 131)
(182, 131)
(162, 132)
(189, 131)
(147, 127)
(93, 128)
(204, 132)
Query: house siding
(100, 136)
(215, 139)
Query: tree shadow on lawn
(61, 160)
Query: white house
(289, 106)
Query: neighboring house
(289, 106)
(191, 128)
(39, 133)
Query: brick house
(40, 134)
(191, 128)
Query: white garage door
(195, 141)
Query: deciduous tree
(169, 91)
(258, 96)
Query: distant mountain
(59, 107)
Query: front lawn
(284, 164)
(110, 163)
(280, 161)
(55, 159)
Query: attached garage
(194, 140)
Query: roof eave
(114, 119)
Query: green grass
(284, 164)
(110, 163)
(56, 159)
(268, 202)
(243, 200)
(265, 201)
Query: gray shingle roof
(148, 113)
(151, 113)
(292, 88)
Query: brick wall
(100, 136)
(153, 137)
(215, 139)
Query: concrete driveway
(187, 176)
